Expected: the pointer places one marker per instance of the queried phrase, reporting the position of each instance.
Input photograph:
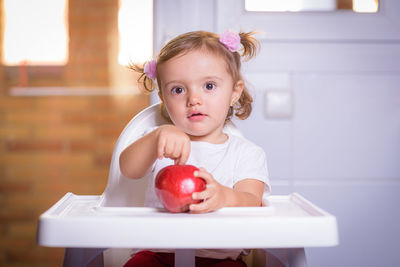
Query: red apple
(175, 185)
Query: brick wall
(1, 46)
(50, 145)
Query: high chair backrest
(122, 191)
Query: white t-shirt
(235, 160)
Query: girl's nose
(194, 98)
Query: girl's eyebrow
(173, 81)
(212, 78)
(204, 79)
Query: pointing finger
(185, 153)
(160, 148)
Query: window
(35, 32)
(135, 25)
(364, 6)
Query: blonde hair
(197, 40)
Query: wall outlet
(278, 103)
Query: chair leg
(185, 258)
(277, 257)
(297, 257)
(83, 257)
(286, 257)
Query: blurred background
(327, 107)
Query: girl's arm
(245, 193)
(165, 141)
(138, 157)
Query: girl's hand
(173, 143)
(214, 195)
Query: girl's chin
(196, 135)
(206, 137)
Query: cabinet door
(340, 147)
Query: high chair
(91, 221)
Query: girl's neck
(220, 139)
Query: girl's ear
(237, 91)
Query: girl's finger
(160, 148)
(199, 208)
(202, 173)
(178, 153)
(177, 150)
(205, 194)
(185, 153)
(169, 150)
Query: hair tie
(150, 69)
(230, 40)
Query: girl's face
(197, 91)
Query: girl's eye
(209, 86)
(177, 90)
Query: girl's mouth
(196, 116)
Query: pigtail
(148, 84)
(250, 45)
(243, 107)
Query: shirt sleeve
(252, 164)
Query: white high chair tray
(288, 221)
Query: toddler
(201, 87)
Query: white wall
(341, 146)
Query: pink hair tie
(231, 40)
(150, 69)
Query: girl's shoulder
(242, 141)
(243, 146)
